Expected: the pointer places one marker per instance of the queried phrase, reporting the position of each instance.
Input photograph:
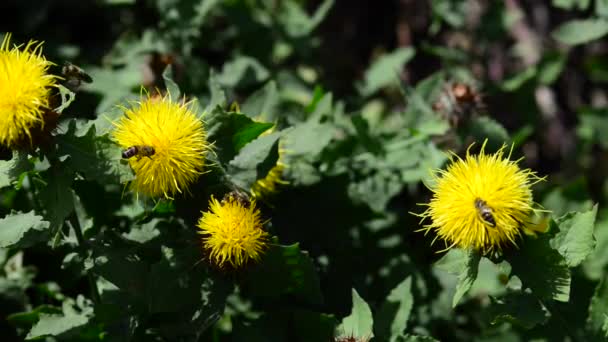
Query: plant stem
(75, 224)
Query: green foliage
(357, 104)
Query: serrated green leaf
(230, 132)
(11, 170)
(391, 319)
(57, 325)
(575, 240)
(463, 263)
(97, 158)
(360, 322)
(255, 160)
(520, 308)
(580, 31)
(20, 230)
(598, 310)
(285, 270)
(56, 195)
(541, 268)
(385, 70)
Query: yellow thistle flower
(169, 143)
(232, 232)
(25, 87)
(481, 202)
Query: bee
(457, 102)
(138, 150)
(485, 212)
(241, 197)
(74, 76)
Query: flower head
(166, 145)
(481, 202)
(25, 87)
(232, 232)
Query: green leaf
(296, 21)
(95, 157)
(171, 86)
(232, 131)
(520, 308)
(56, 195)
(463, 263)
(11, 170)
(580, 31)
(57, 325)
(598, 310)
(263, 103)
(285, 270)
(242, 71)
(551, 67)
(255, 160)
(377, 189)
(29, 318)
(575, 240)
(385, 71)
(484, 127)
(541, 268)
(218, 97)
(597, 261)
(20, 230)
(570, 4)
(359, 323)
(308, 139)
(601, 8)
(391, 319)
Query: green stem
(75, 224)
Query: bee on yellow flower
(25, 88)
(169, 144)
(232, 231)
(481, 202)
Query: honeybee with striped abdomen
(485, 212)
(138, 151)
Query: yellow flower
(232, 232)
(481, 202)
(169, 143)
(25, 87)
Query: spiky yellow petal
(177, 137)
(25, 87)
(456, 213)
(232, 232)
